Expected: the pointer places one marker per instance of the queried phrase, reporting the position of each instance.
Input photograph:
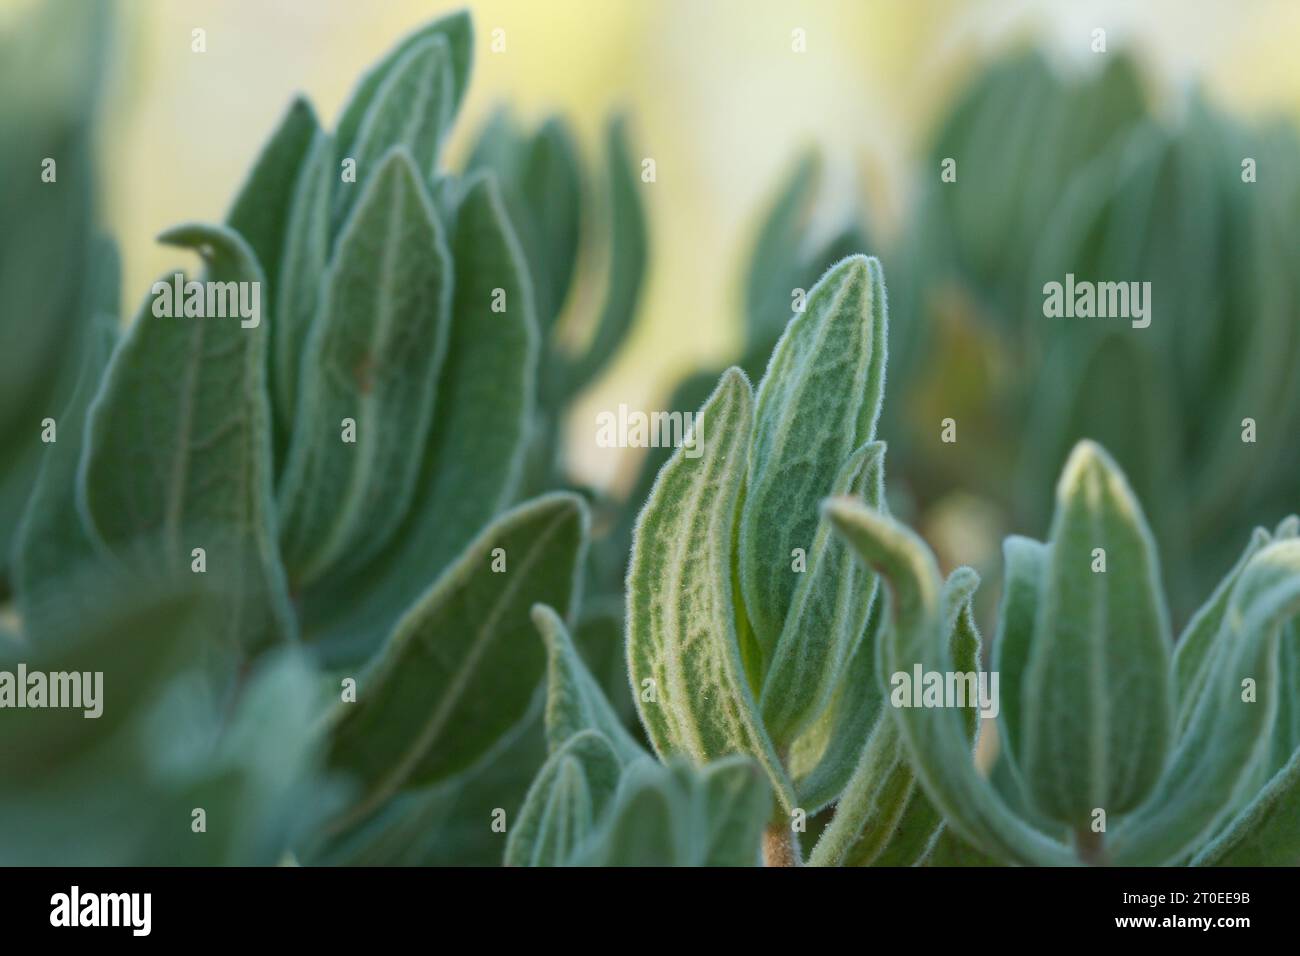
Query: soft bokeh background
(717, 96)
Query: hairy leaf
(412, 108)
(627, 261)
(1212, 762)
(178, 448)
(456, 30)
(817, 403)
(574, 701)
(827, 614)
(471, 465)
(52, 541)
(570, 795)
(1097, 715)
(375, 357)
(303, 261)
(1024, 560)
(683, 634)
(463, 663)
(1194, 655)
(936, 737)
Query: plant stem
(779, 846)
(1090, 847)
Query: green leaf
(1195, 653)
(574, 701)
(375, 356)
(774, 264)
(551, 187)
(598, 636)
(1025, 561)
(870, 814)
(682, 617)
(412, 108)
(52, 542)
(450, 822)
(736, 804)
(936, 737)
(650, 824)
(1267, 831)
(627, 262)
(817, 403)
(1097, 717)
(471, 465)
(571, 793)
(303, 262)
(541, 181)
(456, 30)
(827, 614)
(188, 397)
(261, 210)
(824, 758)
(1286, 726)
(1212, 762)
(951, 850)
(463, 664)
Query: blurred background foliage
(770, 165)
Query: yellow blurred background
(716, 93)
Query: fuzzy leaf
(1097, 717)
(817, 403)
(462, 665)
(936, 737)
(1212, 762)
(178, 447)
(682, 617)
(1267, 831)
(1025, 561)
(824, 758)
(574, 701)
(650, 823)
(627, 261)
(541, 180)
(471, 465)
(412, 108)
(52, 542)
(303, 261)
(870, 812)
(571, 793)
(1195, 653)
(443, 825)
(375, 354)
(737, 803)
(827, 614)
(551, 184)
(455, 29)
(260, 212)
